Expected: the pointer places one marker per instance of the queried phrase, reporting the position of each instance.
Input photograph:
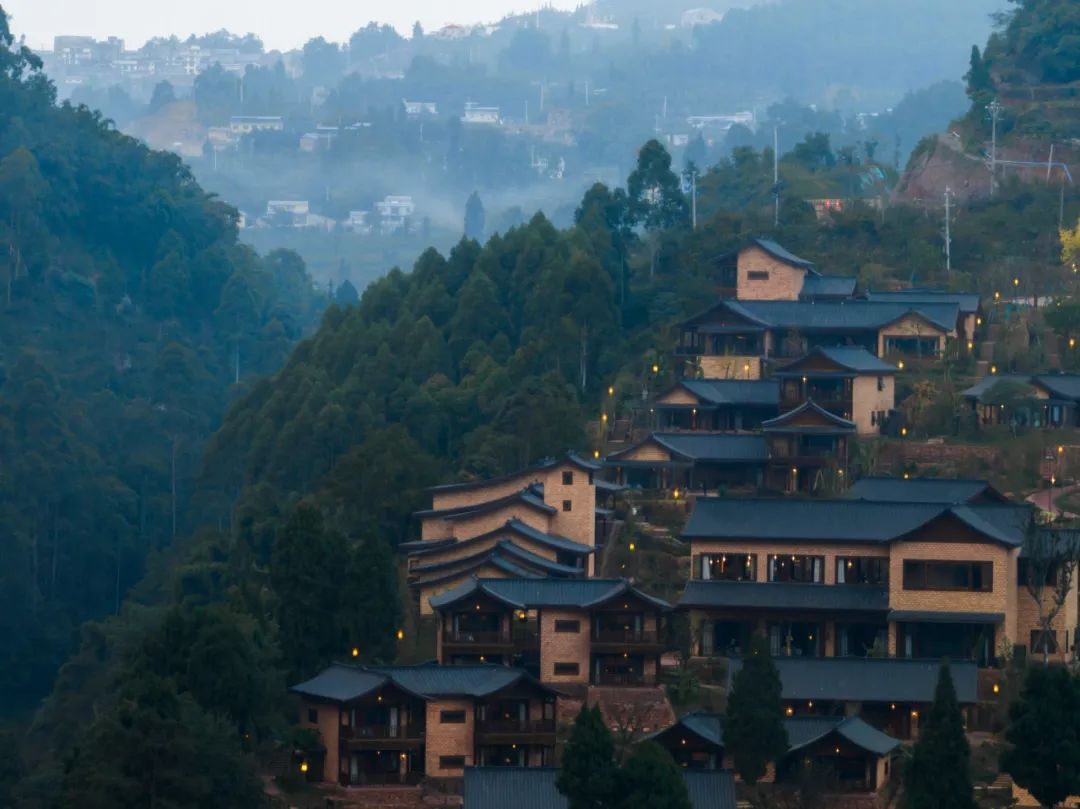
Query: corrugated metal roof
(864, 679)
(784, 595)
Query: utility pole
(693, 199)
(948, 229)
(665, 108)
(776, 176)
(542, 95)
(586, 92)
(995, 111)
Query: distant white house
(394, 213)
(357, 222)
(287, 213)
(699, 16)
(318, 140)
(246, 124)
(476, 114)
(721, 122)
(420, 109)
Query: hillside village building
(538, 521)
(1030, 400)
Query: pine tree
(754, 724)
(1044, 731)
(474, 218)
(589, 776)
(650, 779)
(938, 774)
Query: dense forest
(130, 315)
(135, 320)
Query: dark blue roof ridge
(781, 253)
(884, 488)
(694, 445)
(851, 314)
(514, 525)
(542, 465)
(593, 592)
(854, 358)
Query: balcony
(383, 736)
(620, 640)
(839, 406)
(620, 679)
(516, 731)
(477, 641)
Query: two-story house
(572, 632)
(717, 405)
(402, 724)
(1027, 400)
(538, 521)
(763, 270)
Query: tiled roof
(534, 788)
(525, 496)
(546, 463)
(968, 302)
(865, 679)
(510, 549)
(801, 731)
(536, 592)
(847, 315)
(341, 683)
(552, 540)
(783, 254)
(715, 447)
(840, 520)
(922, 490)
(851, 358)
(835, 424)
(1064, 387)
(764, 392)
(512, 527)
(505, 555)
(984, 385)
(828, 286)
(784, 596)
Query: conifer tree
(1044, 731)
(754, 722)
(650, 779)
(938, 774)
(589, 775)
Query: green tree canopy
(754, 722)
(589, 776)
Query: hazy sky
(282, 24)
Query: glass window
(567, 505)
(452, 717)
(757, 275)
(567, 668)
(451, 762)
(313, 716)
(962, 576)
(728, 566)
(568, 626)
(1043, 642)
(862, 570)
(795, 568)
(568, 478)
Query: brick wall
(679, 396)
(482, 523)
(448, 739)
(564, 647)
(867, 399)
(482, 494)
(329, 727)
(910, 326)
(784, 282)
(579, 523)
(1064, 623)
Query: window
(793, 568)
(567, 505)
(313, 716)
(757, 275)
(567, 669)
(728, 567)
(1043, 642)
(862, 570)
(881, 383)
(567, 478)
(965, 576)
(451, 762)
(452, 717)
(568, 626)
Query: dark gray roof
(984, 385)
(552, 540)
(715, 447)
(855, 359)
(784, 596)
(534, 788)
(692, 447)
(865, 679)
(801, 731)
(968, 302)
(763, 392)
(546, 463)
(840, 520)
(923, 490)
(828, 286)
(932, 617)
(535, 592)
(836, 424)
(526, 496)
(341, 683)
(514, 552)
(1064, 387)
(783, 254)
(846, 315)
(511, 527)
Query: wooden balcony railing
(620, 679)
(515, 726)
(379, 732)
(602, 635)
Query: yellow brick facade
(568, 485)
(445, 739)
(911, 326)
(329, 726)
(867, 399)
(455, 498)
(730, 367)
(564, 647)
(764, 278)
